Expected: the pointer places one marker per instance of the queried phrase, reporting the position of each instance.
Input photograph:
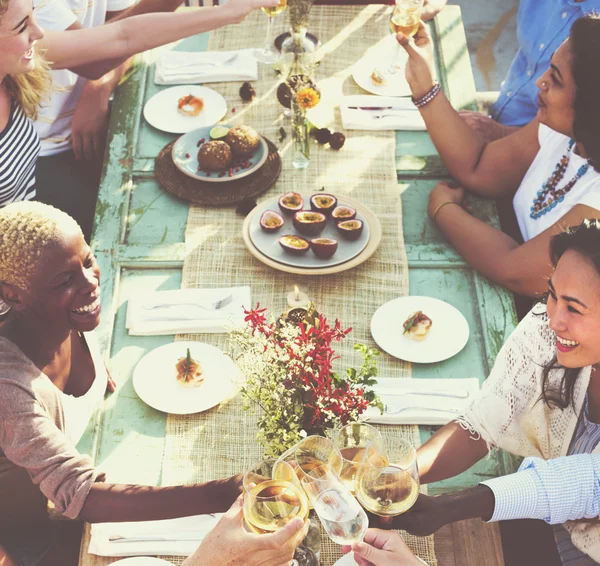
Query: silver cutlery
(381, 108)
(393, 410)
(214, 306)
(157, 538)
(461, 394)
(227, 61)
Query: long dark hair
(584, 239)
(584, 41)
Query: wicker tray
(216, 194)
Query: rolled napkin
(366, 112)
(184, 311)
(184, 67)
(181, 537)
(422, 401)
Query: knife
(378, 108)
(183, 536)
(460, 394)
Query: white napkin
(179, 317)
(403, 114)
(182, 67)
(422, 409)
(195, 527)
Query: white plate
(161, 110)
(154, 378)
(448, 334)
(140, 561)
(381, 58)
(267, 242)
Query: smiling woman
(550, 169)
(52, 378)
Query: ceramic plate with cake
(181, 109)
(221, 153)
(420, 329)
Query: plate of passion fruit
(220, 153)
(312, 234)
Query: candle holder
(307, 315)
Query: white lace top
(509, 414)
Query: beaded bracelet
(428, 96)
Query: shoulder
(55, 15)
(533, 336)
(549, 137)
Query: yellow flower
(307, 98)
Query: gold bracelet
(433, 216)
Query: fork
(457, 395)
(215, 306)
(392, 410)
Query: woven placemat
(216, 194)
(222, 442)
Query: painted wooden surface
(138, 239)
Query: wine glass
(313, 452)
(267, 54)
(341, 515)
(405, 19)
(273, 496)
(351, 440)
(387, 479)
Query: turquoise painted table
(139, 242)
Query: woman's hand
(229, 544)
(241, 8)
(419, 69)
(383, 548)
(431, 8)
(445, 192)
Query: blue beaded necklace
(540, 205)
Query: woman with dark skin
(535, 163)
(50, 279)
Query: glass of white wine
(268, 54)
(387, 479)
(341, 515)
(352, 440)
(405, 19)
(313, 452)
(273, 496)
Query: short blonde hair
(26, 229)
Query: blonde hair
(31, 89)
(27, 228)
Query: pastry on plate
(416, 326)
(189, 371)
(243, 140)
(190, 105)
(214, 155)
(377, 78)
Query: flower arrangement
(289, 374)
(307, 98)
(298, 13)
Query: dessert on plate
(416, 326)
(214, 155)
(189, 371)
(190, 105)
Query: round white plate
(154, 378)
(448, 334)
(140, 561)
(346, 560)
(382, 58)
(267, 242)
(161, 110)
(185, 158)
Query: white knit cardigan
(509, 414)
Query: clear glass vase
(297, 42)
(300, 136)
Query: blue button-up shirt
(542, 25)
(556, 491)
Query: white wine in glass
(387, 480)
(268, 54)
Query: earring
(544, 84)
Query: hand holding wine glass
(419, 67)
(268, 54)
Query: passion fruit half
(323, 247)
(296, 245)
(291, 202)
(351, 229)
(324, 203)
(271, 221)
(341, 213)
(309, 222)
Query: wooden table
(139, 243)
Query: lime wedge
(218, 132)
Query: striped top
(19, 150)
(585, 439)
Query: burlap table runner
(222, 442)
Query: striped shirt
(19, 150)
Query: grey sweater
(35, 455)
